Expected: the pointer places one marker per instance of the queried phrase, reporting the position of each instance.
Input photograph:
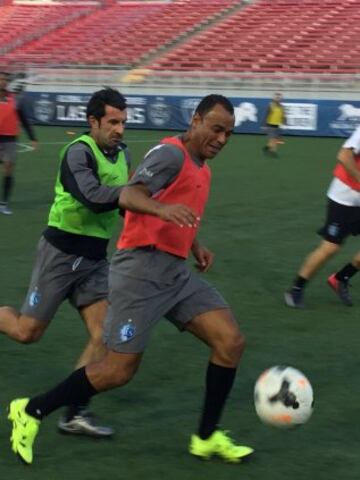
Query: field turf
(261, 221)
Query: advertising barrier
(329, 118)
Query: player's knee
(329, 248)
(117, 375)
(122, 378)
(232, 349)
(236, 346)
(117, 378)
(28, 335)
(356, 261)
(96, 336)
(29, 330)
(7, 169)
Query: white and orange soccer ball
(283, 397)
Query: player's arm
(158, 170)
(25, 121)
(347, 152)
(128, 160)
(346, 157)
(137, 198)
(203, 256)
(79, 177)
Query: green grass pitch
(261, 221)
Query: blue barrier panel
(304, 117)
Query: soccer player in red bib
(150, 280)
(12, 114)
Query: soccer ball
(283, 397)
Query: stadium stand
(322, 37)
(120, 34)
(22, 24)
(188, 38)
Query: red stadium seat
(322, 37)
(209, 36)
(124, 33)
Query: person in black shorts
(150, 279)
(342, 220)
(71, 261)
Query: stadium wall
(307, 117)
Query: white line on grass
(25, 147)
(64, 143)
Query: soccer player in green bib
(71, 261)
(150, 280)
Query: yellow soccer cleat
(220, 444)
(24, 430)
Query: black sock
(347, 272)
(8, 182)
(219, 381)
(74, 410)
(76, 389)
(299, 282)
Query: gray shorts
(273, 131)
(58, 276)
(8, 152)
(146, 285)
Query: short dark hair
(101, 98)
(209, 102)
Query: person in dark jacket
(12, 114)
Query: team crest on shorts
(76, 263)
(34, 298)
(127, 331)
(333, 229)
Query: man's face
(3, 82)
(211, 132)
(109, 130)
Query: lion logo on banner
(245, 112)
(349, 111)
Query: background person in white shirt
(342, 220)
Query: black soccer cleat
(294, 297)
(341, 288)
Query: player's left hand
(203, 256)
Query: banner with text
(304, 117)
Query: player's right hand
(179, 214)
